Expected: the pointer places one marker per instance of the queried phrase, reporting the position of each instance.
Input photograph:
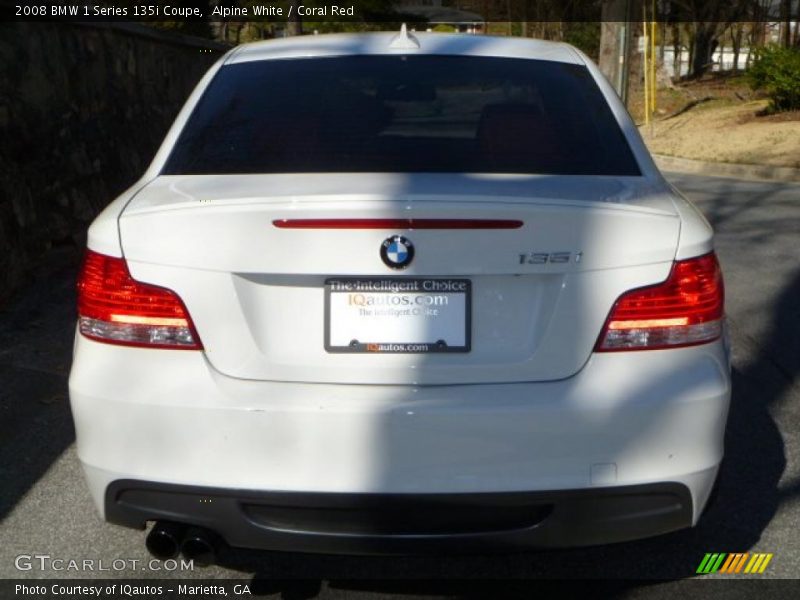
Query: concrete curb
(717, 169)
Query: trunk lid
(256, 292)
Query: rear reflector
(115, 308)
(685, 310)
(397, 224)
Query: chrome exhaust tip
(200, 546)
(164, 540)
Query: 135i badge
(542, 258)
(397, 252)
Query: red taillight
(686, 309)
(115, 308)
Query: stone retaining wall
(83, 109)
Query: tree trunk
(611, 43)
(736, 39)
(786, 9)
(677, 51)
(294, 26)
(703, 47)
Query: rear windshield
(402, 114)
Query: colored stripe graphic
(735, 562)
(732, 559)
(711, 562)
(741, 562)
(731, 563)
(758, 563)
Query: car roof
(386, 43)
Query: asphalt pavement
(45, 507)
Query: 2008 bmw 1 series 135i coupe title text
(400, 293)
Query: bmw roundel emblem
(397, 252)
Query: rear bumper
(626, 419)
(408, 523)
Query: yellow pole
(653, 59)
(644, 65)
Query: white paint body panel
(170, 417)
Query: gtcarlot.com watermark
(46, 562)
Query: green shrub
(776, 70)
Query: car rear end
(371, 299)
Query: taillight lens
(115, 308)
(686, 309)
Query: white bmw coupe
(400, 293)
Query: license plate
(397, 315)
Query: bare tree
(737, 34)
(613, 28)
(786, 18)
(708, 20)
(294, 26)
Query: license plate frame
(457, 288)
